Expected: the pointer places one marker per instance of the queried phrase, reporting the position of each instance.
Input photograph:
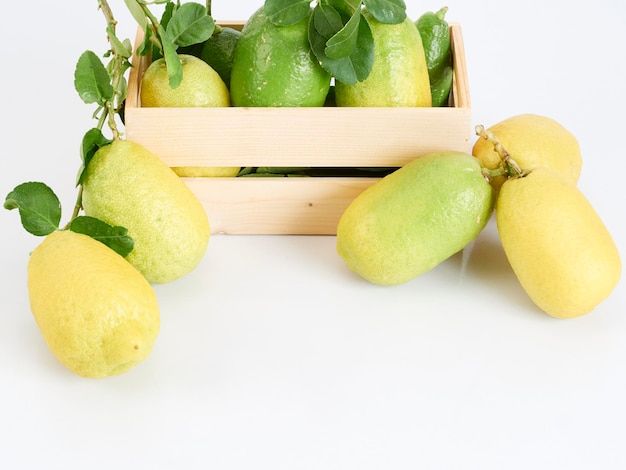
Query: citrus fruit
(533, 141)
(274, 66)
(206, 171)
(98, 315)
(127, 185)
(218, 51)
(399, 76)
(416, 217)
(201, 86)
(435, 33)
(557, 245)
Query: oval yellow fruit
(415, 218)
(127, 185)
(201, 86)
(533, 141)
(399, 76)
(206, 171)
(98, 315)
(557, 245)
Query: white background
(272, 355)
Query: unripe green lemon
(219, 50)
(127, 185)
(533, 141)
(413, 219)
(399, 76)
(557, 245)
(97, 313)
(274, 66)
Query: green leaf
(172, 62)
(344, 42)
(91, 79)
(146, 46)
(286, 12)
(114, 237)
(168, 12)
(387, 11)
(120, 48)
(137, 13)
(327, 20)
(39, 207)
(92, 141)
(351, 69)
(189, 25)
(350, 5)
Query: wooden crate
(300, 137)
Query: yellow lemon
(399, 76)
(206, 171)
(533, 141)
(97, 313)
(557, 245)
(201, 87)
(127, 185)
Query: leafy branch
(180, 26)
(339, 34)
(106, 87)
(39, 207)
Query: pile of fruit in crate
(290, 54)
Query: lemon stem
(78, 205)
(511, 167)
(154, 25)
(116, 71)
(490, 174)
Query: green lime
(274, 66)
(218, 51)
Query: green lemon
(128, 186)
(413, 219)
(399, 76)
(274, 66)
(218, 51)
(98, 315)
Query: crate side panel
(460, 82)
(297, 206)
(298, 136)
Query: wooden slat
(296, 206)
(297, 136)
